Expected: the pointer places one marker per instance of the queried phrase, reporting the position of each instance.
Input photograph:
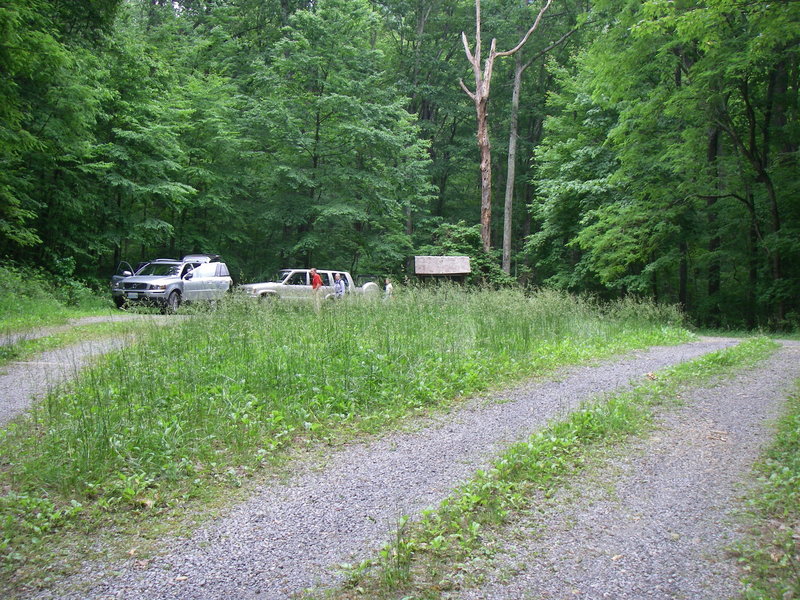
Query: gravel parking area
(291, 535)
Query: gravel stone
(292, 535)
(655, 521)
(22, 382)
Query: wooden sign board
(441, 265)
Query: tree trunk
(752, 273)
(480, 97)
(486, 170)
(714, 241)
(508, 213)
(683, 275)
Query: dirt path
(292, 535)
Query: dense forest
(644, 147)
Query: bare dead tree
(519, 68)
(480, 97)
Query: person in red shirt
(316, 280)
(316, 284)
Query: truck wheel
(173, 302)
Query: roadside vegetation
(771, 553)
(194, 409)
(428, 556)
(32, 298)
(25, 348)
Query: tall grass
(226, 389)
(31, 298)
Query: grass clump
(771, 553)
(456, 531)
(202, 404)
(26, 348)
(32, 298)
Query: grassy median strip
(25, 349)
(418, 562)
(198, 408)
(771, 553)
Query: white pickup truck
(295, 284)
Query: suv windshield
(161, 269)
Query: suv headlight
(162, 287)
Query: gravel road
(291, 535)
(7, 339)
(654, 521)
(23, 381)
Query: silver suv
(168, 282)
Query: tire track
(655, 521)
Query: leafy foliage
(699, 125)
(290, 133)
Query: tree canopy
(654, 145)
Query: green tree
(49, 99)
(345, 154)
(705, 124)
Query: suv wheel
(173, 301)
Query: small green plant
(451, 534)
(770, 555)
(396, 556)
(26, 519)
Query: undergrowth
(33, 298)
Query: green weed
(451, 533)
(207, 401)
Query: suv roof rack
(201, 258)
